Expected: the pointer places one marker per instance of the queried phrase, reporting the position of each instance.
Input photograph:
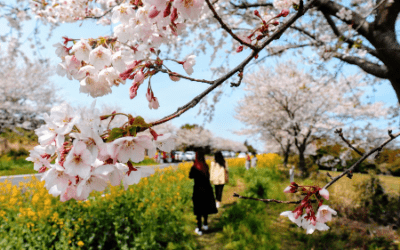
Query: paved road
(16, 179)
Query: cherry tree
(291, 107)
(220, 143)
(25, 91)
(194, 136)
(148, 37)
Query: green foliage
(380, 206)
(21, 136)
(147, 216)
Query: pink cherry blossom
(100, 57)
(97, 180)
(81, 50)
(324, 214)
(292, 217)
(130, 148)
(56, 180)
(38, 160)
(69, 67)
(189, 63)
(61, 50)
(190, 9)
(324, 193)
(123, 13)
(165, 142)
(79, 160)
(131, 178)
(310, 227)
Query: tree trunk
(286, 155)
(302, 164)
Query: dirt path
(209, 238)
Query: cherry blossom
(324, 193)
(81, 50)
(189, 63)
(69, 67)
(97, 180)
(100, 57)
(292, 217)
(325, 213)
(78, 161)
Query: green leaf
(132, 130)
(115, 133)
(139, 122)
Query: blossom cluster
(310, 220)
(132, 53)
(79, 154)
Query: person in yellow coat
(219, 175)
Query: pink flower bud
(167, 10)
(256, 13)
(324, 193)
(133, 91)
(174, 15)
(239, 49)
(288, 189)
(153, 12)
(173, 77)
(285, 12)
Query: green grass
(15, 167)
(254, 225)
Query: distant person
(203, 195)
(254, 161)
(247, 164)
(219, 175)
(291, 174)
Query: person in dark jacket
(203, 195)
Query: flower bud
(285, 12)
(239, 49)
(324, 193)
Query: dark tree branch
(226, 28)
(387, 15)
(245, 5)
(349, 171)
(369, 67)
(185, 77)
(276, 35)
(339, 132)
(332, 8)
(348, 40)
(267, 200)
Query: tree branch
(226, 28)
(267, 200)
(365, 156)
(241, 66)
(348, 40)
(246, 5)
(369, 67)
(185, 77)
(387, 15)
(332, 8)
(339, 132)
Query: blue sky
(171, 95)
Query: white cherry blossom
(189, 63)
(79, 160)
(81, 50)
(325, 213)
(100, 57)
